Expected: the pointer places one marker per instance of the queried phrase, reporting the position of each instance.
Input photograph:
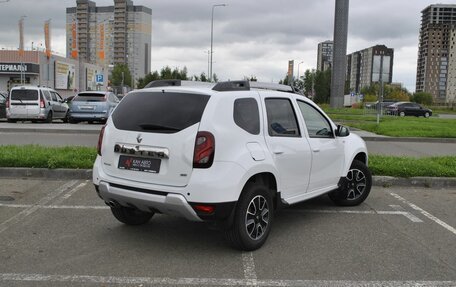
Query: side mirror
(342, 131)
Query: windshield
(24, 95)
(90, 98)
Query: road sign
(99, 78)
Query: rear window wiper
(154, 127)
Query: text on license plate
(151, 165)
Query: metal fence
(373, 108)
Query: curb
(60, 173)
(416, 140)
(48, 131)
(86, 174)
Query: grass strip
(395, 126)
(34, 156)
(402, 166)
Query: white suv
(230, 153)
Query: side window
(53, 96)
(47, 95)
(246, 115)
(281, 118)
(317, 125)
(59, 98)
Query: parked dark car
(92, 106)
(3, 97)
(408, 109)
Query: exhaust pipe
(111, 203)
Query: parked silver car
(92, 106)
(35, 103)
(3, 97)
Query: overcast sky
(251, 38)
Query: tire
(131, 216)
(90, 122)
(426, 115)
(402, 114)
(72, 121)
(11, 121)
(49, 118)
(252, 219)
(355, 187)
(66, 118)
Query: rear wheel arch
(267, 179)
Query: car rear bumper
(88, 117)
(171, 203)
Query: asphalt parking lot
(58, 233)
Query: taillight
(203, 155)
(208, 209)
(42, 103)
(7, 103)
(100, 140)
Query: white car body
(298, 167)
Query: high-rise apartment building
(368, 66)
(110, 35)
(325, 55)
(436, 67)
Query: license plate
(151, 165)
(87, 107)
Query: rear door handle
(278, 152)
(316, 150)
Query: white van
(36, 104)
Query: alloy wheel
(356, 183)
(257, 217)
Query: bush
(422, 98)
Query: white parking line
(32, 208)
(68, 194)
(425, 213)
(212, 281)
(248, 264)
(408, 215)
(53, 206)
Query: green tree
(165, 74)
(142, 82)
(120, 75)
(203, 77)
(422, 98)
(309, 82)
(322, 86)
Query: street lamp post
(298, 68)
(212, 34)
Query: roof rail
(232, 86)
(272, 86)
(246, 86)
(163, 83)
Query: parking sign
(99, 78)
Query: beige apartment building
(110, 35)
(436, 67)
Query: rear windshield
(159, 112)
(90, 98)
(24, 95)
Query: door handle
(278, 152)
(316, 150)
